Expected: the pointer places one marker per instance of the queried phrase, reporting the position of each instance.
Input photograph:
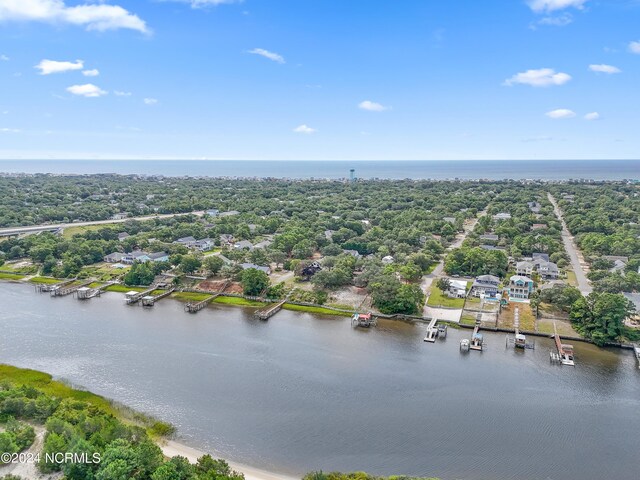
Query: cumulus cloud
(592, 116)
(91, 73)
(267, 54)
(92, 16)
(372, 106)
(560, 113)
(634, 47)
(546, 6)
(543, 77)
(304, 129)
(602, 68)
(150, 101)
(87, 90)
(206, 3)
(4, 58)
(47, 67)
(118, 93)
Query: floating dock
(364, 320)
(267, 313)
(565, 352)
(134, 297)
(85, 293)
(194, 307)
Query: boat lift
(518, 340)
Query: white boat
(464, 345)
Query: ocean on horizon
(434, 169)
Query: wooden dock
(48, 287)
(477, 340)
(432, 331)
(565, 352)
(364, 320)
(518, 340)
(69, 289)
(194, 307)
(269, 312)
(85, 293)
(150, 300)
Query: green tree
(254, 281)
(212, 264)
(600, 316)
(190, 264)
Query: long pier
(432, 331)
(67, 290)
(271, 311)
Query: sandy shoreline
(171, 448)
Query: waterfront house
(524, 268)
(457, 289)
(540, 256)
(114, 257)
(520, 287)
(243, 245)
(485, 285)
(188, 242)
(123, 236)
(247, 266)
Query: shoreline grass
(239, 301)
(124, 289)
(317, 310)
(190, 296)
(45, 280)
(11, 276)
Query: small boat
(362, 320)
(442, 331)
(566, 355)
(520, 341)
(464, 345)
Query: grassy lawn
(468, 319)
(124, 289)
(28, 269)
(11, 276)
(239, 301)
(71, 231)
(190, 296)
(527, 319)
(472, 302)
(102, 271)
(571, 278)
(564, 327)
(47, 280)
(318, 310)
(439, 299)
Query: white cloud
(558, 21)
(118, 93)
(304, 129)
(87, 90)
(267, 54)
(372, 106)
(634, 47)
(602, 68)
(92, 16)
(4, 58)
(560, 113)
(150, 101)
(208, 3)
(543, 77)
(9, 130)
(47, 67)
(542, 6)
(592, 116)
(91, 73)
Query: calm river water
(303, 392)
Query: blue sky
(320, 79)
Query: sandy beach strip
(171, 448)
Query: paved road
(427, 280)
(577, 260)
(53, 226)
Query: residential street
(577, 260)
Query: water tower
(352, 175)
